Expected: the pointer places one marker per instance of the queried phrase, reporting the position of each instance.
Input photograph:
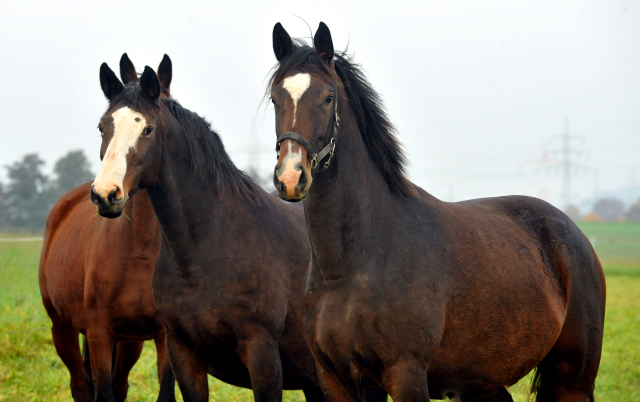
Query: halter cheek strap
(327, 151)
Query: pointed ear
(165, 72)
(111, 85)
(323, 43)
(282, 44)
(127, 70)
(149, 84)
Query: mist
(489, 98)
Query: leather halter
(328, 150)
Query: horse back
(565, 251)
(523, 266)
(512, 264)
(567, 255)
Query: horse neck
(187, 204)
(145, 224)
(346, 205)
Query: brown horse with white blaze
(426, 298)
(95, 280)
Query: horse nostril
(113, 196)
(95, 198)
(302, 181)
(278, 171)
(276, 182)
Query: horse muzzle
(110, 206)
(292, 181)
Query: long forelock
(378, 133)
(303, 58)
(133, 98)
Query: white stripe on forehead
(127, 127)
(296, 85)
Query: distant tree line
(607, 210)
(27, 198)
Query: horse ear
(111, 85)
(149, 84)
(282, 43)
(127, 70)
(323, 43)
(165, 72)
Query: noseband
(328, 150)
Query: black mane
(207, 151)
(378, 133)
(208, 156)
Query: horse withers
(95, 280)
(426, 298)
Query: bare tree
(609, 209)
(573, 212)
(633, 214)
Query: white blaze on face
(290, 176)
(127, 127)
(296, 85)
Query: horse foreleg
(65, 340)
(261, 356)
(127, 354)
(334, 390)
(189, 369)
(313, 395)
(100, 346)
(406, 381)
(165, 374)
(375, 394)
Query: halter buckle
(313, 161)
(333, 149)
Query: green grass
(30, 370)
(617, 245)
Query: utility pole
(567, 163)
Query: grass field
(30, 370)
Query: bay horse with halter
(95, 279)
(429, 299)
(229, 276)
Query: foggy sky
(477, 90)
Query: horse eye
(148, 130)
(328, 100)
(273, 101)
(101, 131)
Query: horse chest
(365, 329)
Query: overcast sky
(478, 90)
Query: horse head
(304, 92)
(130, 150)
